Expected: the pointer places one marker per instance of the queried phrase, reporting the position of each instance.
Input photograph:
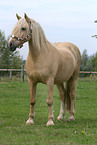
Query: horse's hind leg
(70, 89)
(62, 96)
(32, 102)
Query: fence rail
(15, 70)
(88, 72)
(22, 70)
(10, 69)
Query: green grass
(14, 111)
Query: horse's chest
(36, 73)
(32, 72)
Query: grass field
(14, 111)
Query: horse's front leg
(32, 102)
(50, 87)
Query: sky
(62, 20)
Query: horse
(47, 63)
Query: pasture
(14, 111)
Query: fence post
(92, 76)
(10, 74)
(22, 72)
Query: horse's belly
(63, 77)
(65, 72)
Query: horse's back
(71, 48)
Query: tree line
(88, 63)
(10, 59)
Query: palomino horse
(48, 64)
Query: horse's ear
(27, 18)
(18, 17)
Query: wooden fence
(15, 70)
(88, 72)
(22, 70)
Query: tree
(95, 35)
(93, 61)
(94, 57)
(8, 59)
(85, 63)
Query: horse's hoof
(71, 118)
(60, 117)
(50, 123)
(30, 121)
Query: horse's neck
(35, 52)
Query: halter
(23, 40)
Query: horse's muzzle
(11, 46)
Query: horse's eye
(23, 28)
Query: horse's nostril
(10, 44)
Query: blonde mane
(39, 40)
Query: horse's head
(21, 33)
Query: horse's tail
(67, 100)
